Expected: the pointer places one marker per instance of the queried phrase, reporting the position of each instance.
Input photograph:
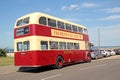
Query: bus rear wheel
(89, 59)
(59, 62)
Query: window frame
(74, 28)
(60, 25)
(21, 45)
(44, 22)
(22, 22)
(70, 46)
(68, 27)
(53, 45)
(44, 47)
(62, 45)
(80, 30)
(85, 31)
(76, 46)
(52, 22)
(26, 47)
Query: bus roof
(39, 14)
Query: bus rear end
(22, 43)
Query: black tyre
(89, 58)
(59, 62)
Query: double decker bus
(42, 40)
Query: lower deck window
(44, 45)
(53, 44)
(23, 46)
(19, 46)
(26, 45)
(70, 45)
(76, 45)
(62, 45)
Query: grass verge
(4, 61)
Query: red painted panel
(40, 30)
(86, 38)
(47, 57)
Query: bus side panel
(43, 58)
(23, 59)
(40, 30)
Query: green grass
(4, 61)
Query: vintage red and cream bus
(42, 40)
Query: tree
(3, 52)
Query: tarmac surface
(101, 69)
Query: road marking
(92, 67)
(51, 77)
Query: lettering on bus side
(68, 52)
(64, 34)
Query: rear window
(19, 46)
(23, 46)
(22, 21)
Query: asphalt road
(102, 69)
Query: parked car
(95, 54)
(111, 52)
(105, 53)
(117, 51)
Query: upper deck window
(68, 27)
(42, 20)
(51, 22)
(74, 28)
(80, 30)
(22, 21)
(85, 31)
(60, 25)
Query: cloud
(112, 10)
(70, 7)
(63, 7)
(88, 5)
(78, 6)
(109, 35)
(72, 20)
(113, 17)
(73, 6)
(46, 10)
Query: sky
(94, 14)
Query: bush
(3, 52)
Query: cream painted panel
(34, 18)
(35, 42)
(82, 43)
